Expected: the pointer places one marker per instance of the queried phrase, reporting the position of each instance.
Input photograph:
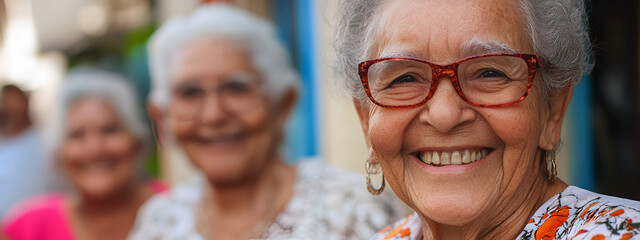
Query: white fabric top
(573, 214)
(327, 204)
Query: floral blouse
(573, 214)
(327, 204)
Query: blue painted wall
(295, 20)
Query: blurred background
(40, 40)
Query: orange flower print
(399, 230)
(629, 225)
(598, 237)
(626, 236)
(586, 210)
(547, 230)
(617, 213)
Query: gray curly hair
(256, 36)
(557, 29)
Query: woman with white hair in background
(222, 89)
(99, 139)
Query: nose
(213, 111)
(95, 145)
(446, 109)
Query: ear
(553, 117)
(363, 114)
(157, 120)
(286, 105)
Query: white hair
(114, 89)
(254, 35)
(558, 30)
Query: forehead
(209, 57)
(93, 109)
(446, 31)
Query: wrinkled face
(98, 151)
(219, 112)
(504, 140)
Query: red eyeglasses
(491, 80)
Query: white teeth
(445, 158)
(456, 159)
(435, 159)
(466, 158)
(453, 158)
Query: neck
(131, 196)
(263, 188)
(107, 217)
(504, 221)
(247, 208)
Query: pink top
(44, 217)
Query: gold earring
(550, 158)
(373, 168)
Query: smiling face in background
(98, 152)
(508, 139)
(219, 113)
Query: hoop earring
(373, 168)
(550, 159)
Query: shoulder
(168, 215)
(339, 188)
(41, 213)
(580, 214)
(35, 206)
(408, 228)
(342, 204)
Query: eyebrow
(402, 54)
(471, 48)
(478, 47)
(187, 83)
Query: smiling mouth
(221, 139)
(438, 159)
(98, 166)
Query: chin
(98, 192)
(226, 173)
(452, 213)
(452, 204)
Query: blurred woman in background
(99, 139)
(223, 88)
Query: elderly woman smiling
(223, 88)
(99, 138)
(462, 105)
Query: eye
(111, 128)
(75, 134)
(189, 92)
(491, 73)
(236, 87)
(405, 78)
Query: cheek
(181, 130)
(519, 131)
(71, 151)
(515, 128)
(121, 145)
(386, 131)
